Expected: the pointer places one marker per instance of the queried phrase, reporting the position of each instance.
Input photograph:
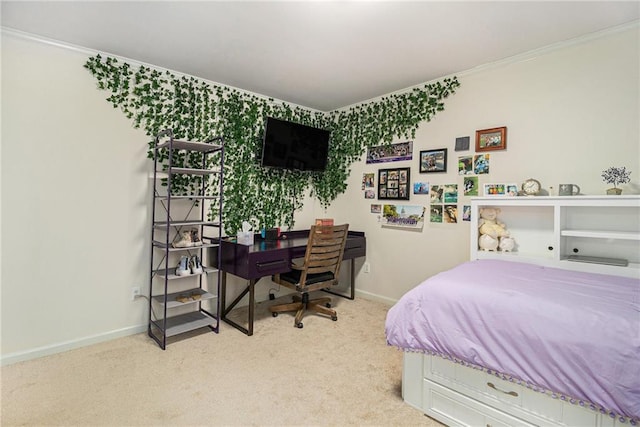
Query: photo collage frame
(393, 184)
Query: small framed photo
(495, 189)
(462, 143)
(491, 139)
(394, 183)
(433, 160)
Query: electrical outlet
(135, 292)
(367, 267)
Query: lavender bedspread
(568, 332)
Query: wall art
(420, 188)
(433, 160)
(367, 180)
(390, 153)
(465, 165)
(466, 213)
(403, 216)
(450, 214)
(481, 163)
(450, 193)
(462, 143)
(394, 183)
(435, 214)
(491, 139)
(470, 185)
(435, 193)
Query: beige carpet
(327, 373)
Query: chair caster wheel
(298, 325)
(334, 318)
(328, 305)
(274, 314)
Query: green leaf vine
(198, 110)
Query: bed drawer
(443, 371)
(520, 401)
(458, 410)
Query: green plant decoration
(198, 110)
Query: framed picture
(491, 139)
(501, 189)
(462, 143)
(433, 160)
(394, 183)
(495, 189)
(390, 153)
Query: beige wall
(76, 196)
(571, 111)
(75, 202)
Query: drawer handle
(271, 263)
(510, 393)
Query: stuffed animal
(506, 244)
(492, 231)
(487, 243)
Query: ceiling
(317, 54)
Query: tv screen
(289, 145)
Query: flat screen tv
(289, 145)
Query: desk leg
(223, 296)
(250, 289)
(353, 283)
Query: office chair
(320, 269)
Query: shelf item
(189, 301)
(599, 234)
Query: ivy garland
(197, 110)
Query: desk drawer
(266, 268)
(268, 263)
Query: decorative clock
(531, 187)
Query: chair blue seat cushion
(293, 277)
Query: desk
(266, 258)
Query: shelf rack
(183, 303)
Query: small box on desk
(324, 221)
(272, 234)
(245, 237)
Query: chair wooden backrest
(322, 260)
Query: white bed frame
(458, 395)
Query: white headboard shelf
(600, 231)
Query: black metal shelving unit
(183, 303)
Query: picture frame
(491, 139)
(495, 189)
(462, 143)
(433, 160)
(390, 153)
(509, 189)
(394, 184)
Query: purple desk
(266, 258)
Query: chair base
(302, 304)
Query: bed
(496, 343)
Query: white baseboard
(132, 330)
(70, 345)
(375, 297)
